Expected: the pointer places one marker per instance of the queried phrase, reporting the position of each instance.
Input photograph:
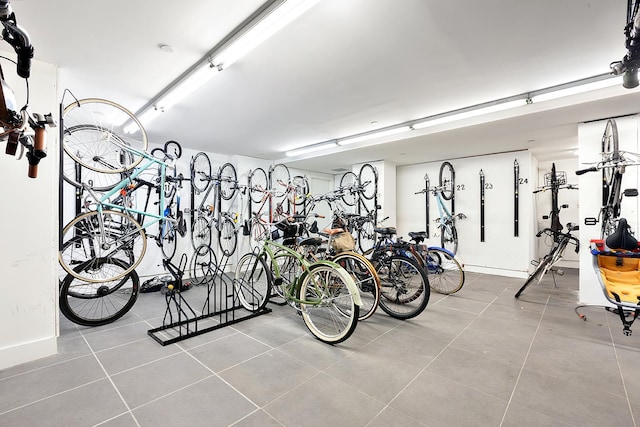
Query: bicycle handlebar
(583, 171)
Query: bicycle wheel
(405, 288)
(78, 176)
(368, 177)
(200, 172)
(95, 304)
(228, 237)
(300, 191)
(203, 265)
(447, 180)
(252, 282)
(97, 133)
(168, 239)
(200, 232)
(348, 182)
(259, 233)
(279, 178)
(258, 184)
(449, 237)
(446, 275)
(93, 237)
(366, 278)
(366, 235)
(228, 181)
(537, 274)
(328, 307)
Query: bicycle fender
(442, 249)
(350, 283)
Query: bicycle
(629, 65)
(321, 291)
(555, 181)
(224, 186)
(405, 290)
(613, 166)
(445, 272)
(110, 231)
(446, 222)
(548, 262)
(14, 123)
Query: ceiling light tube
(310, 148)
(575, 90)
(270, 24)
(447, 118)
(196, 79)
(371, 135)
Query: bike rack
(221, 306)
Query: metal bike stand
(221, 308)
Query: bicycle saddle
(311, 241)
(385, 230)
(622, 238)
(418, 236)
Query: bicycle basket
(561, 178)
(343, 242)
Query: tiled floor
(476, 358)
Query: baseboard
(27, 352)
(496, 271)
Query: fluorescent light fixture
(270, 24)
(310, 149)
(144, 118)
(355, 139)
(470, 113)
(196, 79)
(574, 90)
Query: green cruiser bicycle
(321, 291)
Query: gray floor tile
(258, 418)
(323, 355)
(124, 420)
(117, 334)
(519, 416)
(34, 385)
(324, 400)
(442, 402)
(572, 404)
(137, 353)
(405, 348)
(210, 402)
(268, 376)
(83, 406)
(154, 380)
(391, 417)
(228, 351)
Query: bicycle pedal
(535, 262)
(558, 271)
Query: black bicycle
(629, 65)
(612, 165)
(548, 262)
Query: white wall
(590, 137)
(28, 255)
(501, 252)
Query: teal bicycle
(321, 291)
(95, 136)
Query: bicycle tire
(228, 181)
(173, 149)
(258, 184)
(348, 181)
(301, 190)
(79, 176)
(368, 177)
(123, 237)
(204, 264)
(252, 282)
(279, 179)
(200, 168)
(366, 279)
(200, 232)
(446, 275)
(335, 317)
(447, 177)
(449, 238)
(97, 304)
(539, 271)
(168, 239)
(94, 135)
(366, 235)
(259, 233)
(405, 290)
(228, 237)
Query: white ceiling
(341, 66)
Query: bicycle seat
(418, 236)
(311, 241)
(622, 238)
(385, 230)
